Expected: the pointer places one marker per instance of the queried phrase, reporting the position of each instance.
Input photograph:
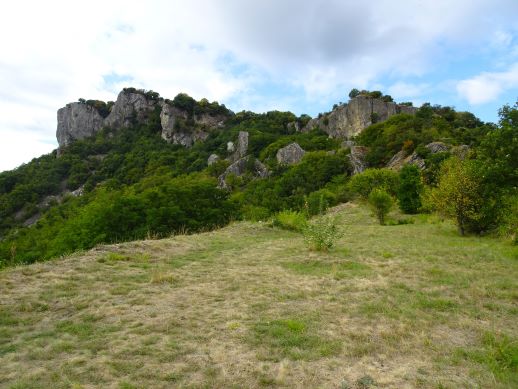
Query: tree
(381, 203)
(459, 194)
(354, 93)
(410, 189)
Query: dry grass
(249, 306)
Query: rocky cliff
(348, 120)
(81, 120)
(185, 126)
(77, 121)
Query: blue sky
(302, 56)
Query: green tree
(381, 203)
(459, 194)
(410, 189)
(354, 93)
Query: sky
(302, 56)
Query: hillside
(149, 166)
(401, 306)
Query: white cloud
(228, 51)
(487, 87)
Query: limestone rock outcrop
(77, 121)
(213, 158)
(350, 119)
(357, 159)
(174, 132)
(130, 108)
(401, 158)
(239, 168)
(290, 155)
(80, 120)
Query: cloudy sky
(296, 55)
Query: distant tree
(410, 189)
(459, 194)
(354, 93)
(387, 98)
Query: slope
(249, 306)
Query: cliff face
(80, 120)
(350, 119)
(77, 121)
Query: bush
(317, 202)
(290, 220)
(255, 213)
(362, 184)
(460, 195)
(321, 234)
(410, 188)
(381, 203)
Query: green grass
(409, 305)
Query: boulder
(291, 154)
(397, 161)
(213, 158)
(437, 147)
(239, 168)
(230, 147)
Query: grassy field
(248, 306)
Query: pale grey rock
(295, 125)
(230, 147)
(129, 109)
(210, 122)
(348, 120)
(290, 155)
(77, 121)
(238, 168)
(357, 159)
(397, 161)
(437, 147)
(242, 144)
(213, 158)
(415, 159)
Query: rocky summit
(180, 125)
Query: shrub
(321, 234)
(381, 203)
(410, 188)
(509, 224)
(290, 220)
(317, 202)
(362, 184)
(255, 213)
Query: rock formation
(239, 168)
(130, 108)
(80, 120)
(241, 149)
(357, 159)
(400, 158)
(213, 158)
(77, 121)
(350, 119)
(291, 154)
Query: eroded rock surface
(350, 119)
(291, 154)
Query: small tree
(354, 93)
(381, 203)
(459, 194)
(410, 189)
